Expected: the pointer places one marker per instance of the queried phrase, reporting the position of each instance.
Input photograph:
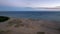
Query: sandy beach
(29, 26)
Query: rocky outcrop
(4, 18)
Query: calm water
(32, 14)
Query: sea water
(48, 15)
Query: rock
(3, 18)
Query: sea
(46, 15)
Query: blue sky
(30, 3)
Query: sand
(29, 26)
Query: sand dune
(30, 26)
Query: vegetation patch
(33, 19)
(17, 25)
(3, 18)
(5, 32)
(40, 32)
(15, 22)
(58, 29)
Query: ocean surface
(48, 15)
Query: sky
(30, 3)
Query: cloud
(30, 3)
(12, 3)
(8, 8)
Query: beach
(25, 22)
(29, 26)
